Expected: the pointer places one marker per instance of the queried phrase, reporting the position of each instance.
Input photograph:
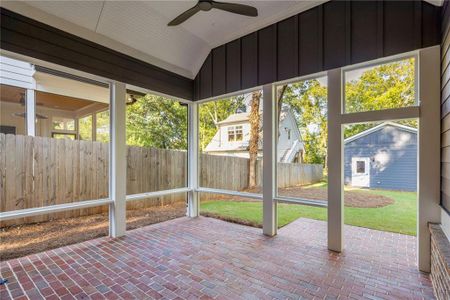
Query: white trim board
(379, 127)
(445, 223)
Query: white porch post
(429, 151)
(31, 112)
(334, 159)
(117, 182)
(269, 165)
(193, 209)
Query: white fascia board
(379, 127)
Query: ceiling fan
(24, 114)
(207, 5)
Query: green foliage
(102, 134)
(155, 121)
(215, 111)
(85, 128)
(382, 87)
(385, 86)
(308, 101)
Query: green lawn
(399, 217)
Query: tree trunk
(280, 94)
(254, 119)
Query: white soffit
(71, 88)
(139, 28)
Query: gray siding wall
(393, 155)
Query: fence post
(117, 175)
(270, 162)
(193, 209)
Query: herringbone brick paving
(206, 258)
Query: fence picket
(39, 171)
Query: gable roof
(379, 127)
(234, 118)
(245, 116)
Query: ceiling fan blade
(184, 16)
(240, 9)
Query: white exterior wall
(220, 145)
(7, 111)
(16, 73)
(223, 136)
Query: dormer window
(235, 133)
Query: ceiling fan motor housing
(205, 5)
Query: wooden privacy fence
(231, 173)
(40, 171)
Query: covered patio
(205, 258)
(107, 111)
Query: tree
(386, 86)
(102, 126)
(254, 119)
(308, 101)
(382, 87)
(155, 121)
(210, 113)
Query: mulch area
(352, 198)
(21, 240)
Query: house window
(238, 131)
(60, 123)
(235, 133)
(360, 167)
(231, 135)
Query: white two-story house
(233, 136)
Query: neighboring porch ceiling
(140, 28)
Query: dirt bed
(353, 198)
(17, 241)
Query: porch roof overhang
(316, 36)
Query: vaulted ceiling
(140, 28)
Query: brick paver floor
(208, 258)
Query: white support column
(31, 112)
(429, 151)
(193, 209)
(334, 159)
(117, 182)
(270, 216)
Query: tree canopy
(155, 121)
(386, 86)
(382, 87)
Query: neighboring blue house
(382, 157)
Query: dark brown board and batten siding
(445, 108)
(29, 37)
(331, 35)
